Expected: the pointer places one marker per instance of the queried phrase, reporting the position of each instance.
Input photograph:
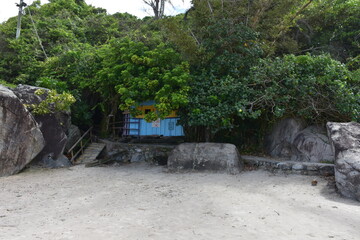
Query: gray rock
(54, 127)
(305, 168)
(26, 94)
(125, 152)
(137, 157)
(290, 139)
(61, 161)
(298, 167)
(205, 156)
(326, 170)
(55, 141)
(312, 145)
(73, 136)
(20, 136)
(285, 165)
(345, 141)
(279, 143)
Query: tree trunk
(105, 127)
(158, 7)
(207, 134)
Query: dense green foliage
(218, 91)
(315, 88)
(157, 74)
(331, 26)
(225, 65)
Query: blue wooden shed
(137, 126)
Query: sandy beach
(141, 201)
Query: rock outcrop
(54, 127)
(291, 139)
(205, 156)
(279, 143)
(55, 142)
(26, 94)
(312, 145)
(20, 136)
(345, 141)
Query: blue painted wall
(168, 128)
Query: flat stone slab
(283, 165)
(91, 153)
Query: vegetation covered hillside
(231, 68)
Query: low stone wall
(278, 165)
(158, 154)
(128, 152)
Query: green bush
(6, 84)
(316, 88)
(53, 102)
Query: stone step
(286, 166)
(91, 153)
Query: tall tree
(158, 7)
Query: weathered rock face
(312, 145)
(279, 142)
(54, 128)
(20, 137)
(345, 141)
(290, 139)
(125, 152)
(55, 141)
(73, 135)
(26, 94)
(205, 156)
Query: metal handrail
(115, 126)
(70, 152)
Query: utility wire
(36, 32)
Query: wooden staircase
(85, 150)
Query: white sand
(138, 201)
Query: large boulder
(54, 127)
(312, 145)
(205, 156)
(291, 139)
(279, 143)
(20, 136)
(345, 141)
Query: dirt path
(138, 201)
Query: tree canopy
(221, 64)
